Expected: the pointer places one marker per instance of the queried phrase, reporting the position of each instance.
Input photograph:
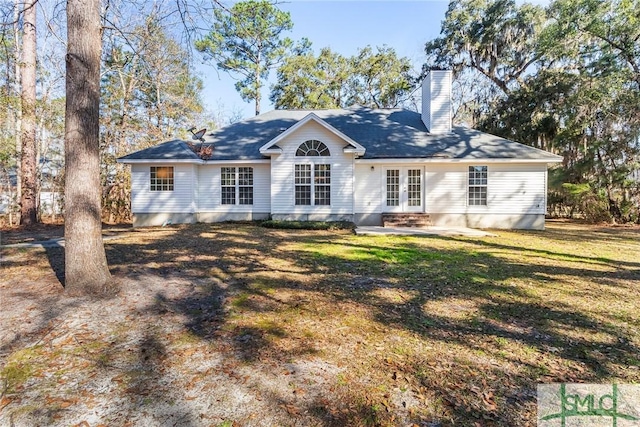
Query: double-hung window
(161, 178)
(322, 185)
(303, 184)
(477, 185)
(312, 180)
(236, 186)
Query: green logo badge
(567, 405)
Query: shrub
(309, 225)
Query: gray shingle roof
(169, 150)
(385, 133)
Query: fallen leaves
(4, 402)
(391, 361)
(291, 409)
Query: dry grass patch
(217, 324)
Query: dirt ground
(155, 354)
(237, 325)
(47, 231)
(144, 366)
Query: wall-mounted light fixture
(372, 167)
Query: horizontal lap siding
(368, 189)
(446, 190)
(517, 188)
(209, 190)
(181, 199)
(282, 172)
(440, 102)
(512, 189)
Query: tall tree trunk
(257, 83)
(86, 269)
(17, 111)
(258, 101)
(28, 199)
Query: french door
(404, 189)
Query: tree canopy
(496, 38)
(247, 40)
(563, 78)
(149, 93)
(373, 78)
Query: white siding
(436, 102)
(426, 101)
(181, 200)
(209, 189)
(517, 188)
(282, 173)
(446, 188)
(511, 189)
(50, 202)
(369, 187)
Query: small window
(236, 186)
(161, 178)
(312, 148)
(477, 186)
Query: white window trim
(237, 186)
(312, 161)
(486, 186)
(173, 179)
(313, 145)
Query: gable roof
(353, 145)
(384, 133)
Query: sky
(344, 26)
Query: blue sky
(344, 26)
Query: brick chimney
(436, 101)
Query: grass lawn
(234, 324)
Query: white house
(354, 164)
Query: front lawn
(235, 324)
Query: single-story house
(355, 164)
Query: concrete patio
(423, 231)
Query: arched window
(313, 178)
(312, 147)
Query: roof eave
(138, 161)
(236, 161)
(271, 150)
(453, 160)
(353, 150)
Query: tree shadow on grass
(224, 257)
(502, 313)
(587, 233)
(55, 256)
(465, 273)
(45, 298)
(145, 392)
(468, 271)
(241, 269)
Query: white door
(404, 190)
